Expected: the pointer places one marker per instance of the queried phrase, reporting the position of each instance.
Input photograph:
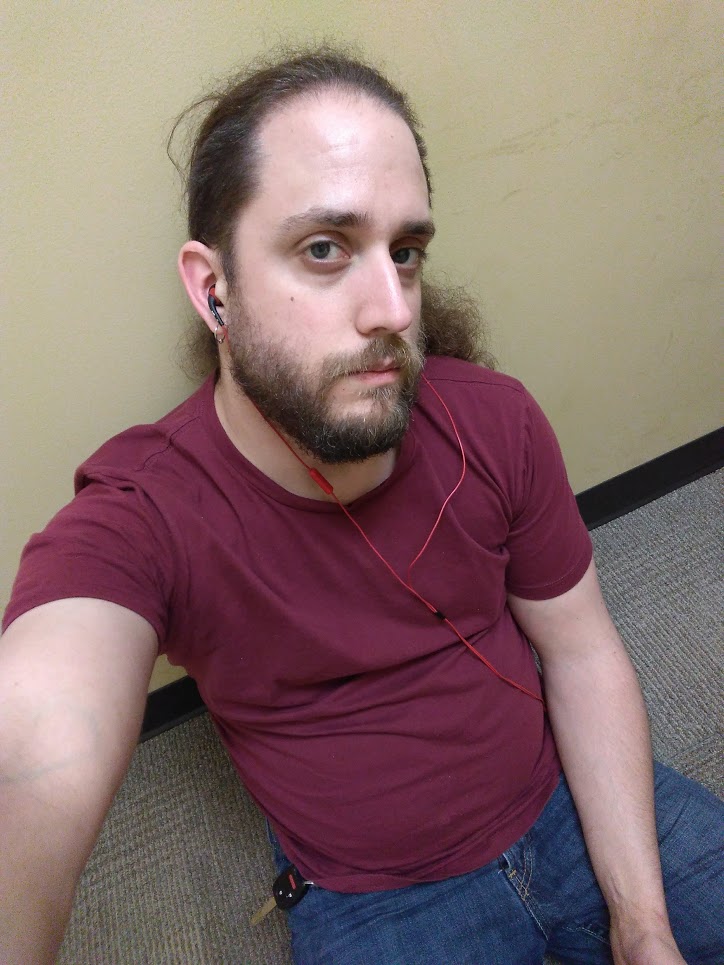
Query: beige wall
(572, 145)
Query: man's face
(324, 320)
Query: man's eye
(321, 250)
(408, 257)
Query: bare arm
(73, 682)
(601, 729)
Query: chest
(277, 597)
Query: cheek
(415, 303)
(317, 316)
(301, 328)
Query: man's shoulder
(454, 372)
(141, 446)
(491, 407)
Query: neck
(258, 442)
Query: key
(265, 909)
(288, 890)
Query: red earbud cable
(327, 488)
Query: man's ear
(199, 267)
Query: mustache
(388, 350)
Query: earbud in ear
(214, 305)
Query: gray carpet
(182, 861)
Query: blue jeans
(539, 897)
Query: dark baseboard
(171, 705)
(179, 701)
(653, 479)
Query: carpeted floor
(182, 864)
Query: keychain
(287, 891)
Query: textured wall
(573, 151)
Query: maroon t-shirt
(383, 752)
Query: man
(348, 540)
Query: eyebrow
(334, 218)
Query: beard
(299, 403)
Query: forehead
(341, 150)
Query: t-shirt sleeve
(106, 544)
(548, 544)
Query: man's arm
(601, 729)
(73, 682)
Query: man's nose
(385, 298)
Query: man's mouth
(379, 367)
(378, 375)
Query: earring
(219, 335)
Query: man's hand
(638, 946)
